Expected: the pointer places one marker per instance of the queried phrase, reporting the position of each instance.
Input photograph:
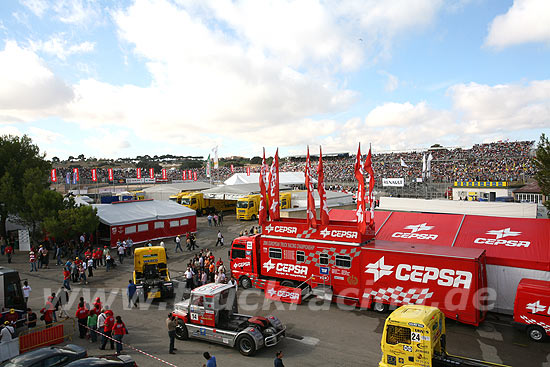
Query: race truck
(291, 261)
(203, 206)
(151, 275)
(211, 314)
(414, 336)
(248, 206)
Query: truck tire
(181, 331)
(380, 307)
(245, 282)
(536, 333)
(253, 217)
(287, 283)
(246, 346)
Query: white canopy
(128, 212)
(164, 191)
(285, 178)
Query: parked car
(121, 360)
(48, 357)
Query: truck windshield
(173, 198)
(242, 204)
(398, 334)
(185, 201)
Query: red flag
(322, 192)
(248, 171)
(262, 211)
(189, 174)
(369, 196)
(274, 188)
(195, 176)
(94, 174)
(53, 175)
(164, 173)
(183, 175)
(138, 173)
(111, 176)
(151, 173)
(75, 174)
(360, 212)
(232, 169)
(311, 215)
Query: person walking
(178, 243)
(9, 252)
(209, 220)
(119, 330)
(90, 265)
(107, 330)
(131, 293)
(220, 239)
(101, 322)
(26, 291)
(105, 253)
(58, 255)
(66, 279)
(120, 250)
(82, 316)
(171, 325)
(278, 362)
(92, 325)
(45, 257)
(210, 360)
(31, 319)
(32, 260)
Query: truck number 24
(415, 337)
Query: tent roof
(129, 212)
(234, 192)
(285, 178)
(178, 187)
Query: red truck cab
(532, 308)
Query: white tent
(164, 191)
(285, 178)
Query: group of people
(203, 269)
(215, 219)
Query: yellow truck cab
(177, 197)
(138, 195)
(414, 335)
(203, 206)
(151, 274)
(247, 207)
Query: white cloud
(58, 46)
(28, 89)
(526, 21)
(392, 83)
(76, 11)
(42, 136)
(38, 7)
(9, 130)
(108, 143)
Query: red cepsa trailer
(532, 308)
(290, 261)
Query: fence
(40, 336)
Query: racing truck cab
(211, 314)
(151, 274)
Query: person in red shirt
(97, 303)
(82, 316)
(32, 260)
(107, 330)
(47, 313)
(12, 316)
(119, 329)
(9, 251)
(67, 279)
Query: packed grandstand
(499, 161)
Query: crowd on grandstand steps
(510, 161)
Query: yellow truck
(203, 206)
(177, 197)
(414, 336)
(151, 275)
(247, 207)
(138, 194)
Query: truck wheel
(181, 331)
(536, 333)
(253, 217)
(245, 282)
(246, 345)
(380, 307)
(287, 283)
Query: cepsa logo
(283, 294)
(498, 240)
(414, 229)
(241, 264)
(338, 233)
(282, 268)
(421, 274)
(281, 229)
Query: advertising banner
(111, 176)
(53, 175)
(283, 294)
(393, 182)
(94, 175)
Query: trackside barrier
(43, 336)
(9, 349)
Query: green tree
(17, 155)
(191, 164)
(72, 222)
(256, 160)
(542, 163)
(146, 164)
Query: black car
(122, 360)
(48, 357)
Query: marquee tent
(144, 220)
(164, 191)
(285, 178)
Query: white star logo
(325, 232)
(269, 266)
(269, 228)
(379, 269)
(535, 307)
(501, 233)
(271, 292)
(274, 205)
(419, 227)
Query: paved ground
(329, 336)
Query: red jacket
(119, 328)
(47, 314)
(66, 274)
(81, 313)
(109, 323)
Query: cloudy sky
(122, 78)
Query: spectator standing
(31, 319)
(9, 252)
(26, 291)
(45, 257)
(120, 250)
(32, 260)
(210, 360)
(66, 279)
(82, 316)
(171, 325)
(131, 292)
(58, 255)
(92, 325)
(107, 330)
(90, 265)
(189, 274)
(278, 362)
(7, 332)
(119, 330)
(215, 219)
(209, 220)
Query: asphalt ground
(318, 334)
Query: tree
(190, 164)
(542, 163)
(55, 160)
(256, 160)
(146, 164)
(17, 155)
(81, 157)
(72, 222)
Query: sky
(112, 79)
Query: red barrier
(284, 294)
(49, 336)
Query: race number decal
(416, 337)
(194, 316)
